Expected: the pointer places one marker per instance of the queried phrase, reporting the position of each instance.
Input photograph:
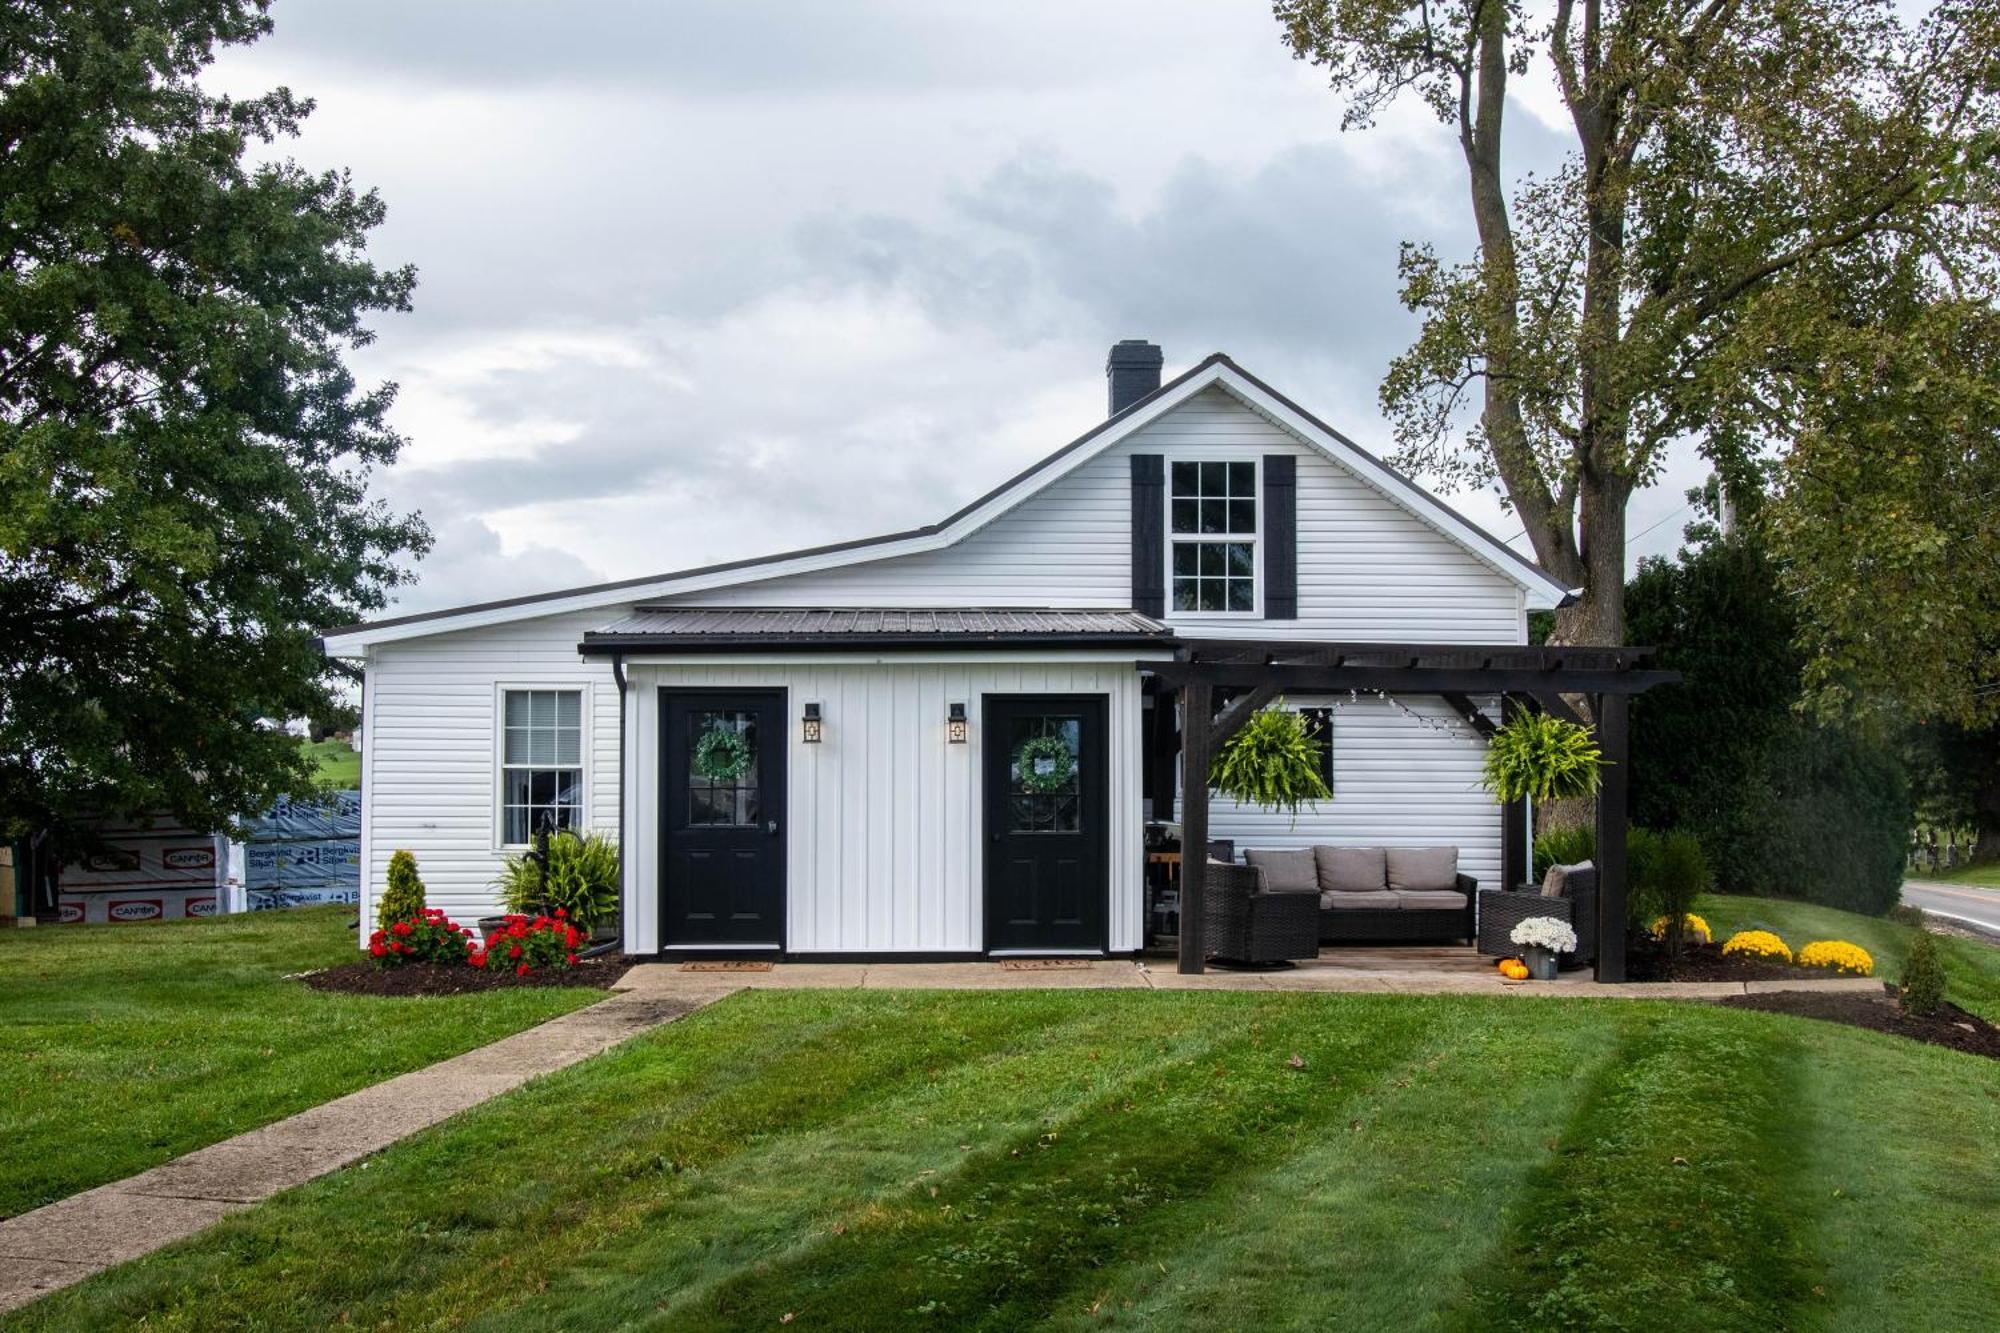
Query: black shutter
(1149, 541)
(1281, 537)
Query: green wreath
(1062, 764)
(721, 755)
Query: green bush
(1921, 990)
(403, 899)
(1564, 847)
(1272, 762)
(583, 879)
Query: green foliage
(1921, 989)
(1762, 254)
(403, 898)
(1567, 846)
(583, 878)
(1273, 762)
(1542, 758)
(1668, 872)
(185, 459)
(1780, 803)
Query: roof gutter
(601, 645)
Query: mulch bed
(365, 978)
(1950, 1026)
(1646, 961)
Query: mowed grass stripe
(1903, 1181)
(1676, 1199)
(786, 1193)
(996, 1243)
(1374, 1217)
(475, 1213)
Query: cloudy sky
(706, 280)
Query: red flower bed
(431, 937)
(526, 944)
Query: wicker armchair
(1500, 910)
(1243, 922)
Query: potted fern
(1273, 762)
(1542, 758)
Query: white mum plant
(1544, 932)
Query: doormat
(1042, 964)
(725, 966)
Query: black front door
(1046, 873)
(722, 822)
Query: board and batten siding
(1397, 782)
(430, 738)
(1367, 568)
(885, 820)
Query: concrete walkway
(67, 1241)
(1474, 978)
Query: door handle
(771, 827)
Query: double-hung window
(1212, 524)
(541, 763)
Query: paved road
(1963, 902)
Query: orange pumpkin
(1515, 969)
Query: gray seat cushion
(1555, 884)
(1348, 900)
(1430, 900)
(1423, 867)
(1285, 872)
(1350, 869)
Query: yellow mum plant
(1758, 944)
(1693, 929)
(1838, 956)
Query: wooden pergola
(1258, 671)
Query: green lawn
(860, 1160)
(339, 763)
(1972, 969)
(122, 1046)
(1985, 875)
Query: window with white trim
(1212, 525)
(541, 763)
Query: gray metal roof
(681, 628)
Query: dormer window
(1212, 523)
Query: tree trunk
(1597, 617)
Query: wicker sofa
(1377, 895)
(1244, 921)
(1574, 900)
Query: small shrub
(1922, 989)
(1850, 960)
(1668, 872)
(1905, 915)
(428, 937)
(1273, 762)
(403, 899)
(524, 944)
(1564, 847)
(1541, 757)
(1758, 944)
(583, 879)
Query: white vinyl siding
(433, 745)
(1367, 568)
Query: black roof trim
(603, 645)
(932, 529)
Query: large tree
(184, 457)
(1751, 187)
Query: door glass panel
(722, 768)
(1044, 776)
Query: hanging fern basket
(1273, 762)
(1542, 758)
(721, 755)
(1044, 765)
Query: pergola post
(1197, 725)
(1514, 855)
(1613, 741)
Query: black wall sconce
(955, 725)
(809, 726)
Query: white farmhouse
(945, 742)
